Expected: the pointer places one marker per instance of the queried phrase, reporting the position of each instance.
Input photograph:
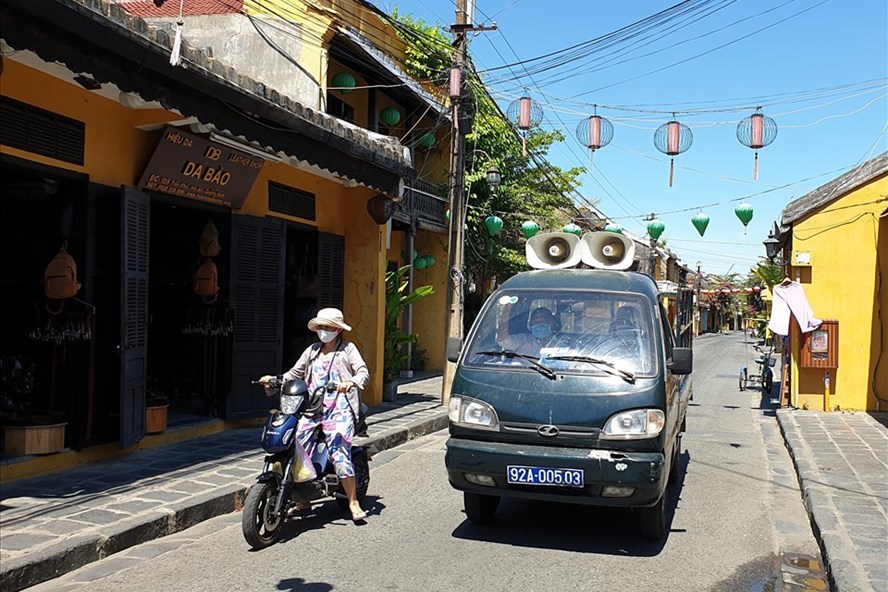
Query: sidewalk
(54, 524)
(842, 464)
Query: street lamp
(772, 243)
(494, 177)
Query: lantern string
(671, 170)
(755, 167)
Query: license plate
(544, 476)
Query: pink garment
(790, 298)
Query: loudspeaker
(607, 250)
(553, 250)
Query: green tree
(395, 356)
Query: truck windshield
(566, 330)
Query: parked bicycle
(764, 375)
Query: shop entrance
(47, 347)
(189, 334)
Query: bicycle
(764, 375)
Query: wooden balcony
(424, 203)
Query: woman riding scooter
(332, 360)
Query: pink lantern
(756, 131)
(524, 114)
(455, 91)
(672, 139)
(595, 132)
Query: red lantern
(756, 131)
(673, 138)
(525, 114)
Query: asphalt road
(722, 517)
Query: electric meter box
(820, 347)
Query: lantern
(494, 225)
(573, 229)
(672, 139)
(700, 222)
(426, 141)
(655, 228)
(381, 208)
(343, 82)
(530, 228)
(429, 261)
(756, 131)
(447, 215)
(744, 212)
(390, 116)
(455, 83)
(419, 263)
(614, 228)
(595, 132)
(524, 114)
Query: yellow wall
(430, 313)
(844, 240)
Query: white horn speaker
(553, 250)
(607, 250)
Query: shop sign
(193, 167)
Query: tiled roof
(170, 8)
(387, 152)
(856, 177)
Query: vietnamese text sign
(187, 165)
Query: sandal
(358, 516)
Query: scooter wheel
(768, 383)
(260, 525)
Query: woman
(333, 360)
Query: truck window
(615, 327)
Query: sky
(818, 68)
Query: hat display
(331, 317)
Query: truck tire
(480, 508)
(652, 521)
(674, 468)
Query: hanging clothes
(789, 298)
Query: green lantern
(530, 228)
(419, 263)
(700, 222)
(494, 225)
(614, 228)
(390, 116)
(406, 257)
(429, 261)
(655, 228)
(744, 212)
(343, 82)
(426, 141)
(573, 229)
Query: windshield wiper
(608, 366)
(508, 353)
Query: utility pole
(463, 23)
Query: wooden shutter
(331, 269)
(257, 290)
(135, 236)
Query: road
(733, 509)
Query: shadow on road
(571, 527)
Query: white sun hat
(329, 317)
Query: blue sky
(817, 67)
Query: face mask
(541, 331)
(327, 336)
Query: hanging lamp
(744, 211)
(494, 225)
(595, 132)
(344, 82)
(524, 114)
(756, 131)
(673, 138)
(530, 229)
(700, 222)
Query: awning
(113, 46)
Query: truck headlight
(472, 413)
(634, 425)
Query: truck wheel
(652, 521)
(480, 508)
(676, 461)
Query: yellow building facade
(836, 244)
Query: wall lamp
(494, 177)
(773, 242)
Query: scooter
(293, 475)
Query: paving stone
(161, 495)
(21, 541)
(98, 516)
(133, 507)
(60, 527)
(187, 487)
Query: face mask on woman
(541, 331)
(327, 336)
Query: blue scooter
(293, 475)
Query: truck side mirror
(682, 361)
(454, 344)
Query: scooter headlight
(290, 403)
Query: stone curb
(78, 551)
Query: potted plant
(395, 355)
